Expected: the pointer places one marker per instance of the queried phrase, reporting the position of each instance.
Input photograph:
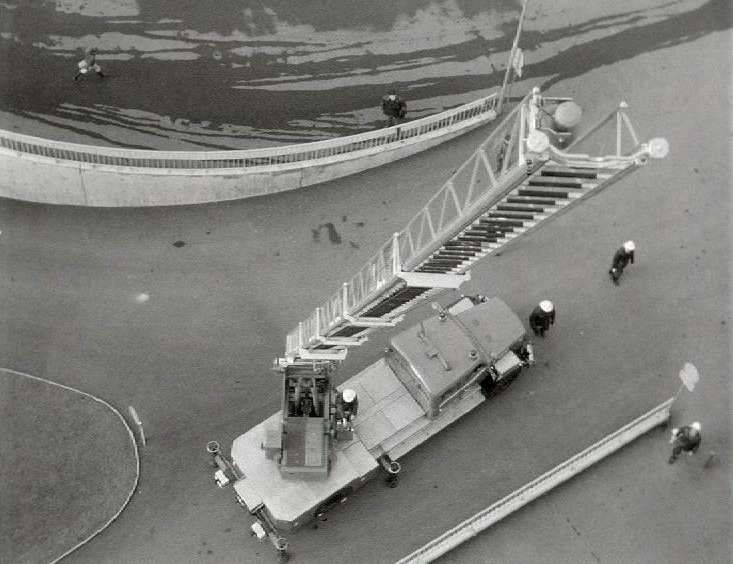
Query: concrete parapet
(37, 170)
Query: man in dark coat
(393, 107)
(687, 439)
(542, 317)
(621, 259)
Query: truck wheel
(336, 499)
(487, 386)
(501, 385)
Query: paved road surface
(194, 358)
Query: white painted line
(134, 446)
(139, 423)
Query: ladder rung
(540, 200)
(600, 173)
(444, 260)
(483, 235)
(472, 245)
(477, 239)
(511, 214)
(548, 183)
(434, 269)
(455, 254)
(535, 191)
(484, 228)
(517, 207)
(569, 173)
(500, 222)
(488, 238)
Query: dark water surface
(238, 73)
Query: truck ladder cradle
(518, 179)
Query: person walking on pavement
(393, 107)
(89, 63)
(685, 439)
(542, 317)
(621, 258)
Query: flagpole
(674, 399)
(512, 54)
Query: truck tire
(490, 388)
(336, 499)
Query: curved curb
(135, 449)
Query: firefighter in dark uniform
(347, 406)
(542, 317)
(393, 107)
(621, 259)
(685, 439)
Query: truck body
(431, 375)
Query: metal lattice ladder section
(518, 179)
(541, 195)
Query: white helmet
(629, 246)
(546, 306)
(349, 395)
(696, 425)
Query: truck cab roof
(443, 349)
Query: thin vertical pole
(682, 387)
(512, 54)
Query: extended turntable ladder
(518, 179)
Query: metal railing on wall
(246, 159)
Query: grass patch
(68, 466)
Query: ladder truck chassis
(294, 466)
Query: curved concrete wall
(38, 170)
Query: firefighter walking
(685, 439)
(542, 317)
(621, 258)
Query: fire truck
(293, 466)
(288, 470)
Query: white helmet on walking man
(546, 306)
